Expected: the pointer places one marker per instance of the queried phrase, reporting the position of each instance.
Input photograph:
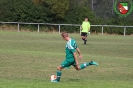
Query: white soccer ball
(53, 77)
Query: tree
(24, 11)
(57, 7)
(37, 2)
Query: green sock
(58, 73)
(84, 65)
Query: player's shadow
(86, 44)
(73, 80)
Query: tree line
(64, 11)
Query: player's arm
(79, 53)
(75, 57)
(81, 27)
(89, 29)
(88, 26)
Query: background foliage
(63, 11)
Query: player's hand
(80, 27)
(80, 57)
(77, 63)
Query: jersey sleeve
(72, 46)
(88, 25)
(75, 45)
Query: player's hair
(64, 34)
(87, 18)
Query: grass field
(28, 59)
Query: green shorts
(67, 64)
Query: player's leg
(85, 64)
(82, 36)
(85, 37)
(58, 73)
(64, 64)
(82, 66)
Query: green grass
(27, 60)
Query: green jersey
(85, 26)
(70, 49)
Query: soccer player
(85, 29)
(71, 57)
